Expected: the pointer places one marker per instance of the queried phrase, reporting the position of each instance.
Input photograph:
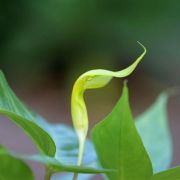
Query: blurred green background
(45, 45)
(65, 35)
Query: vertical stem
(80, 155)
(48, 174)
(81, 151)
(75, 177)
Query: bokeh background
(45, 45)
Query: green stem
(80, 156)
(75, 177)
(81, 151)
(48, 174)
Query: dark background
(45, 45)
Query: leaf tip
(145, 50)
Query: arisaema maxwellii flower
(92, 79)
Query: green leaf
(171, 174)
(13, 168)
(67, 151)
(12, 108)
(57, 166)
(47, 137)
(154, 131)
(119, 146)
